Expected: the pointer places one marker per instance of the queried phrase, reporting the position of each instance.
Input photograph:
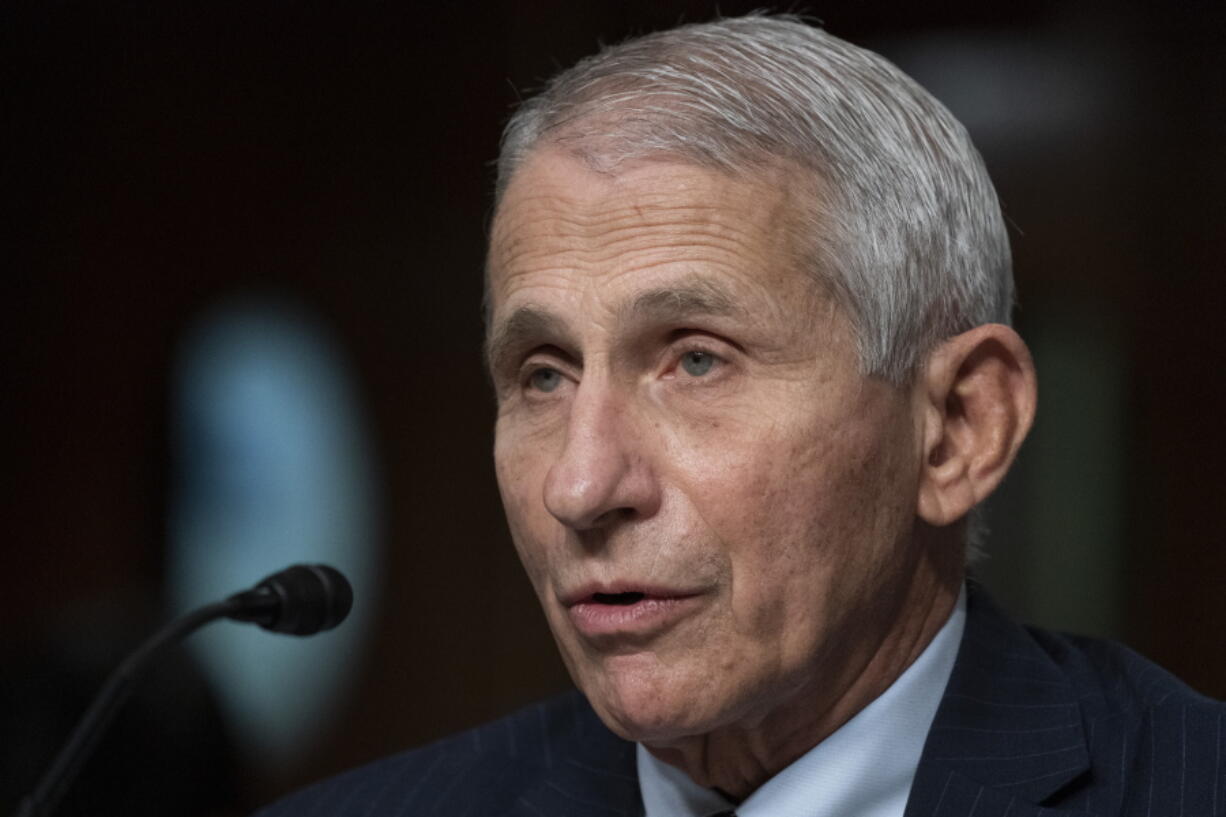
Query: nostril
(612, 516)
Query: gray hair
(904, 229)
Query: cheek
(803, 518)
(519, 484)
(521, 460)
(761, 498)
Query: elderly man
(748, 293)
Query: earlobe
(977, 394)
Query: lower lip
(646, 617)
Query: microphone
(300, 600)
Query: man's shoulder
(1103, 676)
(1061, 721)
(499, 767)
(1140, 715)
(1111, 679)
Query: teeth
(618, 598)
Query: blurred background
(245, 250)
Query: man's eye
(545, 380)
(697, 363)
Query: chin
(658, 723)
(649, 707)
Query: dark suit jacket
(1031, 723)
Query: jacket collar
(1009, 732)
(589, 770)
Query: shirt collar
(865, 767)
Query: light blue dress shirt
(864, 769)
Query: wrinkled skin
(681, 408)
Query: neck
(737, 759)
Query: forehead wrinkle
(627, 253)
(607, 227)
(689, 259)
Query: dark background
(163, 157)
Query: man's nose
(604, 472)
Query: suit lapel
(1008, 734)
(590, 773)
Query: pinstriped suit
(1031, 723)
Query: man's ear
(977, 394)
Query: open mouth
(629, 618)
(618, 599)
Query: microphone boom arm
(118, 688)
(300, 600)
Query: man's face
(714, 507)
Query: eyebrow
(689, 298)
(530, 326)
(527, 327)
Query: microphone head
(311, 599)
